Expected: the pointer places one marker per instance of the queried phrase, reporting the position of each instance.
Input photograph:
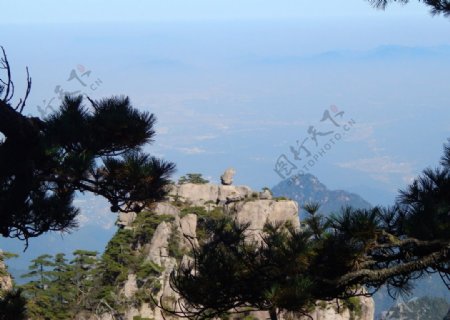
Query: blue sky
(237, 83)
(82, 11)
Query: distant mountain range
(381, 53)
(424, 308)
(307, 189)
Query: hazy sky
(76, 11)
(238, 83)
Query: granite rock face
(6, 282)
(164, 208)
(265, 195)
(227, 177)
(202, 194)
(258, 212)
(158, 247)
(239, 202)
(126, 219)
(196, 194)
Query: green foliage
(353, 304)
(176, 201)
(148, 268)
(197, 210)
(4, 255)
(58, 289)
(123, 256)
(203, 217)
(174, 244)
(230, 266)
(117, 257)
(51, 289)
(147, 278)
(82, 270)
(192, 178)
(267, 189)
(145, 225)
(40, 271)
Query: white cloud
(192, 150)
(162, 130)
(94, 211)
(82, 220)
(360, 132)
(382, 168)
(205, 137)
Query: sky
(239, 84)
(85, 11)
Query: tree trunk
(273, 314)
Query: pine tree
(192, 178)
(437, 6)
(58, 289)
(37, 293)
(82, 273)
(61, 290)
(94, 147)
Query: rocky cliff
(167, 233)
(6, 282)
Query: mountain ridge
(307, 188)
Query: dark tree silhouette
(43, 162)
(332, 258)
(13, 306)
(437, 6)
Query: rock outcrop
(164, 208)
(201, 194)
(257, 213)
(158, 247)
(265, 195)
(172, 238)
(227, 177)
(126, 219)
(6, 282)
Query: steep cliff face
(164, 243)
(6, 282)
